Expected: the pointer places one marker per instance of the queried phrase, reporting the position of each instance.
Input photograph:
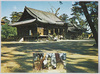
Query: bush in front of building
(7, 31)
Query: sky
(7, 7)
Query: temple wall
(22, 31)
(34, 30)
(25, 30)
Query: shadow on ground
(89, 66)
(25, 60)
(24, 67)
(72, 47)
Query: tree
(77, 18)
(90, 10)
(64, 17)
(4, 20)
(7, 31)
(72, 20)
(15, 16)
(89, 19)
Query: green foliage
(15, 16)
(8, 31)
(73, 20)
(5, 20)
(63, 17)
(77, 17)
(92, 7)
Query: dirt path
(56, 71)
(82, 56)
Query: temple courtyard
(82, 56)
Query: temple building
(34, 23)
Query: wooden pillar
(63, 30)
(60, 31)
(56, 31)
(34, 31)
(51, 31)
(45, 31)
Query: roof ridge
(39, 10)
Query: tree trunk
(91, 24)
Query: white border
(59, 0)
